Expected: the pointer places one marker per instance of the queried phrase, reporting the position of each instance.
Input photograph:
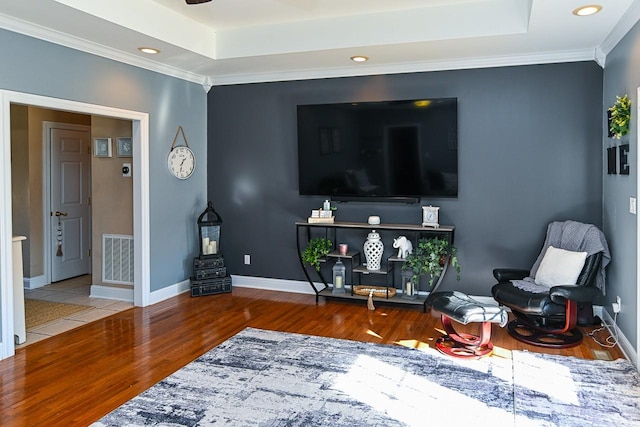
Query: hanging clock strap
(180, 130)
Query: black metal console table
(334, 230)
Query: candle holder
(409, 286)
(209, 223)
(339, 278)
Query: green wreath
(620, 115)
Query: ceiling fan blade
(197, 1)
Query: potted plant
(429, 258)
(620, 115)
(318, 247)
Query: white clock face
(429, 215)
(181, 162)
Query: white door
(70, 204)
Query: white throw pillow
(560, 267)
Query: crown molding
(207, 82)
(414, 67)
(56, 37)
(626, 23)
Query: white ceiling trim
(149, 18)
(49, 35)
(46, 34)
(415, 67)
(628, 20)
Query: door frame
(140, 160)
(47, 126)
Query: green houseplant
(429, 258)
(620, 115)
(318, 247)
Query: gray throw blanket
(571, 236)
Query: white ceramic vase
(373, 249)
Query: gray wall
(529, 153)
(622, 76)
(33, 66)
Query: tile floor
(72, 291)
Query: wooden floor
(77, 377)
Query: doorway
(140, 163)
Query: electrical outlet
(247, 259)
(616, 306)
(632, 205)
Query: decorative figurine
(404, 246)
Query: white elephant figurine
(404, 246)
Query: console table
(335, 230)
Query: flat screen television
(394, 150)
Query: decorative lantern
(409, 287)
(209, 228)
(339, 277)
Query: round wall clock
(181, 162)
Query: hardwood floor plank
(77, 377)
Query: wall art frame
(102, 147)
(124, 146)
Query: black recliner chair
(548, 314)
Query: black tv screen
(372, 150)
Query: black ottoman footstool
(464, 309)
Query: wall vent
(117, 259)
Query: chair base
(528, 334)
(462, 345)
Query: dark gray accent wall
(37, 67)
(529, 143)
(622, 76)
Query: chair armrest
(559, 294)
(506, 274)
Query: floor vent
(117, 259)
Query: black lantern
(209, 227)
(409, 285)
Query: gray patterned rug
(266, 378)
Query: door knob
(58, 213)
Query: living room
(532, 141)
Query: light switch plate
(633, 207)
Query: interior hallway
(72, 291)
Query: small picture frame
(102, 147)
(125, 147)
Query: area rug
(566, 391)
(38, 312)
(266, 378)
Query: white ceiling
(243, 41)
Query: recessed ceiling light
(359, 58)
(149, 50)
(587, 10)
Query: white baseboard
(282, 285)
(169, 292)
(34, 282)
(627, 349)
(303, 287)
(112, 292)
